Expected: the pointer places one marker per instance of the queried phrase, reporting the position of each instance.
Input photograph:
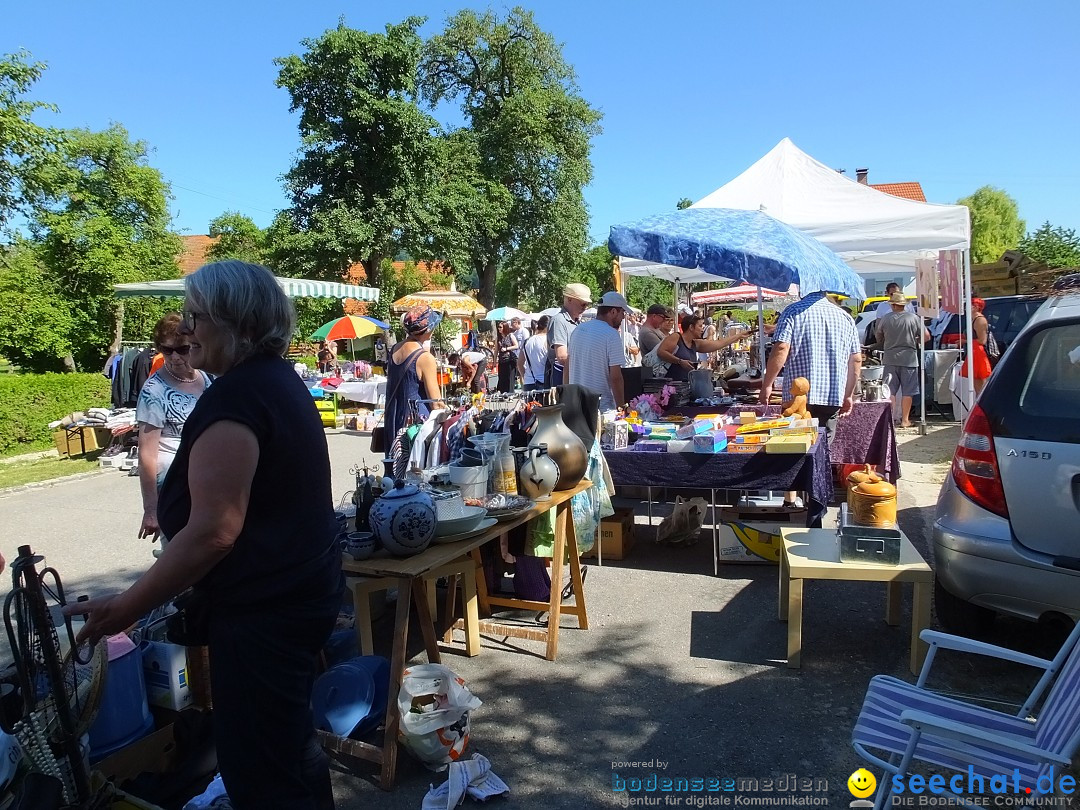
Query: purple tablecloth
(810, 472)
(864, 436)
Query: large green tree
(35, 330)
(368, 157)
(238, 238)
(100, 216)
(21, 140)
(1054, 247)
(995, 223)
(528, 145)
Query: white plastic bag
(434, 704)
(684, 522)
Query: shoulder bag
(652, 360)
(378, 433)
(993, 351)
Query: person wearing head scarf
(249, 510)
(411, 371)
(980, 327)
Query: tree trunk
(371, 268)
(118, 328)
(487, 285)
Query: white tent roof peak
(856, 221)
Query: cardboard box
(78, 441)
(614, 435)
(754, 514)
(712, 442)
(616, 536)
(154, 753)
(61, 441)
(165, 670)
(752, 438)
(756, 542)
(788, 444)
(739, 447)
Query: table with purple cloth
(864, 436)
(807, 472)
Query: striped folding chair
(902, 723)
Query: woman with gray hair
(265, 567)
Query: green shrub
(28, 402)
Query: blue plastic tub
(124, 715)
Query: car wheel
(960, 616)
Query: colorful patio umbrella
(348, 328)
(505, 314)
(450, 302)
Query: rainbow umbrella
(349, 327)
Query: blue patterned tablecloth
(810, 472)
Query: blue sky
(954, 95)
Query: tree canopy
(368, 154)
(238, 238)
(995, 223)
(21, 139)
(526, 155)
(1054, 247)
(98, 215)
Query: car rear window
(1035, 392)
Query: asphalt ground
(681, 674)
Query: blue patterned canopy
(748, 246)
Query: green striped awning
(293, 287)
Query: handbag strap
(411, 359)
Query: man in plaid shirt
(816, 339)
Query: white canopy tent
(874, 232)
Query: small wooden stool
(463, 571)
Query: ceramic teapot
(539, 473)
(403, 519)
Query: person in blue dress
(411, 371)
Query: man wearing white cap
(596, 355)
(575, 298)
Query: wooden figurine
(800, 387)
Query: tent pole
(761, 333)
(922, 381)
(965, 270)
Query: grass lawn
(18, 473)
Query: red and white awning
(734, 295)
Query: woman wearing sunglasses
(165, 402)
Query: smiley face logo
(861, 783)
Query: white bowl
(471, 516)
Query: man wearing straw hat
(575, 298)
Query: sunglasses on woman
(180, 350)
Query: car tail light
(975, 466)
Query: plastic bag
(434, 704)
(684, 522)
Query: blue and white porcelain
(403, 520)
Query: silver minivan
(1007, 530)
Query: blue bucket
(124, 715)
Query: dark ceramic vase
(563, 445)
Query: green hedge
(28, 402)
